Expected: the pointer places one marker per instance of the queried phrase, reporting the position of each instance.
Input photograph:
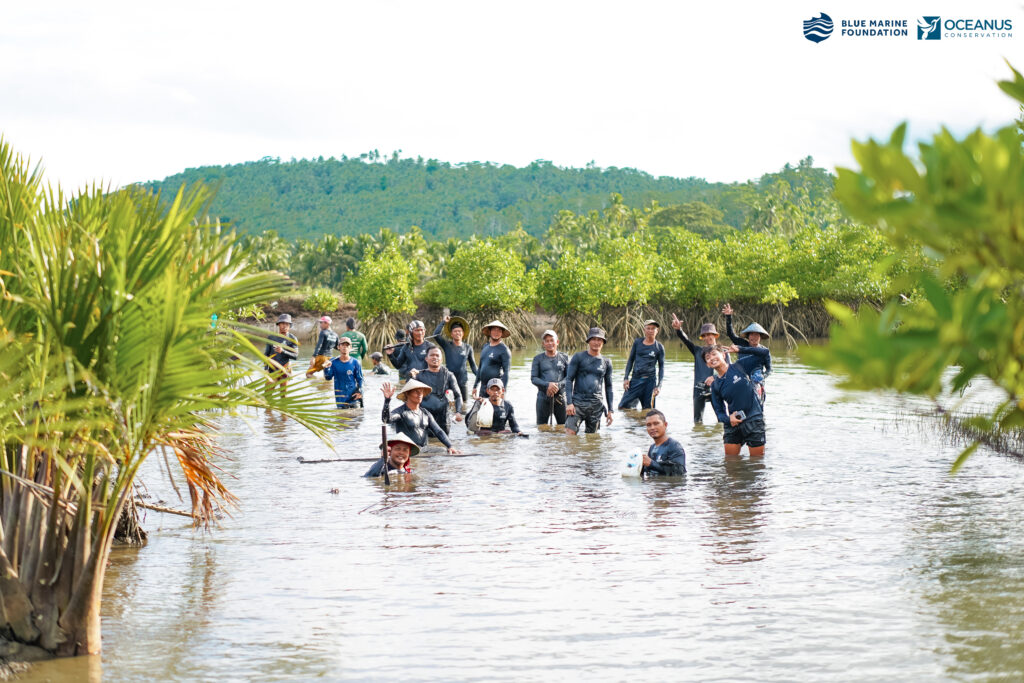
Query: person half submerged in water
(666, 456)
(400, 449)
(503, 419)
(409, 418)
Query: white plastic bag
(485, 416)
(634, 463)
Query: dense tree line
(309, 198)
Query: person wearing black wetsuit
(548, 374)
(400, 448)
(702, 375)
(647, 361)
(587, 371)
(504, 417)
(495, 357)
(281, 349)
(409, 418)
(753, 335)
(734, 397)
(411, 356)
(457, 354)
(440, 380)
(666, 456)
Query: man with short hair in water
(359, 346)
(281, 349)
(702, 375)
(411, 356)
(495, 357)
(548, 374)
(753, 335)
(734, 397)
(457, 353)
(665, 456)
(400, 449)
(409, 418)
(347, 374)
(378, 363)
(648, 355)
(326, 341)
(440, 380)
(587, 371)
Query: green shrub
(321, 300)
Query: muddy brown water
(847, 553)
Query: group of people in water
(575, 392)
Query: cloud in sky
(123, 91)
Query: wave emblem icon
(928, 28)
(818, 29)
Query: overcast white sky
(126, 91)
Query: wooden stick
(162, 508)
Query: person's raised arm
(677, 325)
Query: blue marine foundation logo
(929, 28)
(818, 29)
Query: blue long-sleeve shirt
(668, 459)
(494, 362)
(757, 375)
(584, 377)
(348, 379)
(645, 359)
(735, 390)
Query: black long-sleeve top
(414, 425)
(546, 369)
(327, 340)
(409, 357)
(289, 349)
(701, 371)
(456, 357)
(438, 382)
(494, 362)
(735, 388)
(668, 459)
(741, 342)
(644, 360)
(504, 418)
(583, 379)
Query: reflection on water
(847, 552)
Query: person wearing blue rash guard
(450, 334)
(440, 380)
(587, 371)
(734, 397)
(411, 356)
(410, 418)
(495, 357)
(547, 373)
(647, 361)
(753, 335)
(666, 456)
(347, 374)
(702, 375)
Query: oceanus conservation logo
(929, 28)
(818, 29)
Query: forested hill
(348, 196)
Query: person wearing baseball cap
(377, 358)
(548, 374)
(504, 416)
(347, 374)
(586, 373)
(752, 336)
(359, 346)
(281, 349)
(702, 374)
(495, 358)
(410, 418)
(647, 361)
(324, 343)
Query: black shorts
(749, 432)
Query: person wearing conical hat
(752, 336)
(400, 449)
(410, 418)
(702, 375)
(411, 356)
(495, 358)
(647, 361)
(450, 335)
(587, 372)
(281, 349)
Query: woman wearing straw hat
(409, 418)
(495, 357)
(752, 337)
(457, 353)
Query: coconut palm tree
(110, 352)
